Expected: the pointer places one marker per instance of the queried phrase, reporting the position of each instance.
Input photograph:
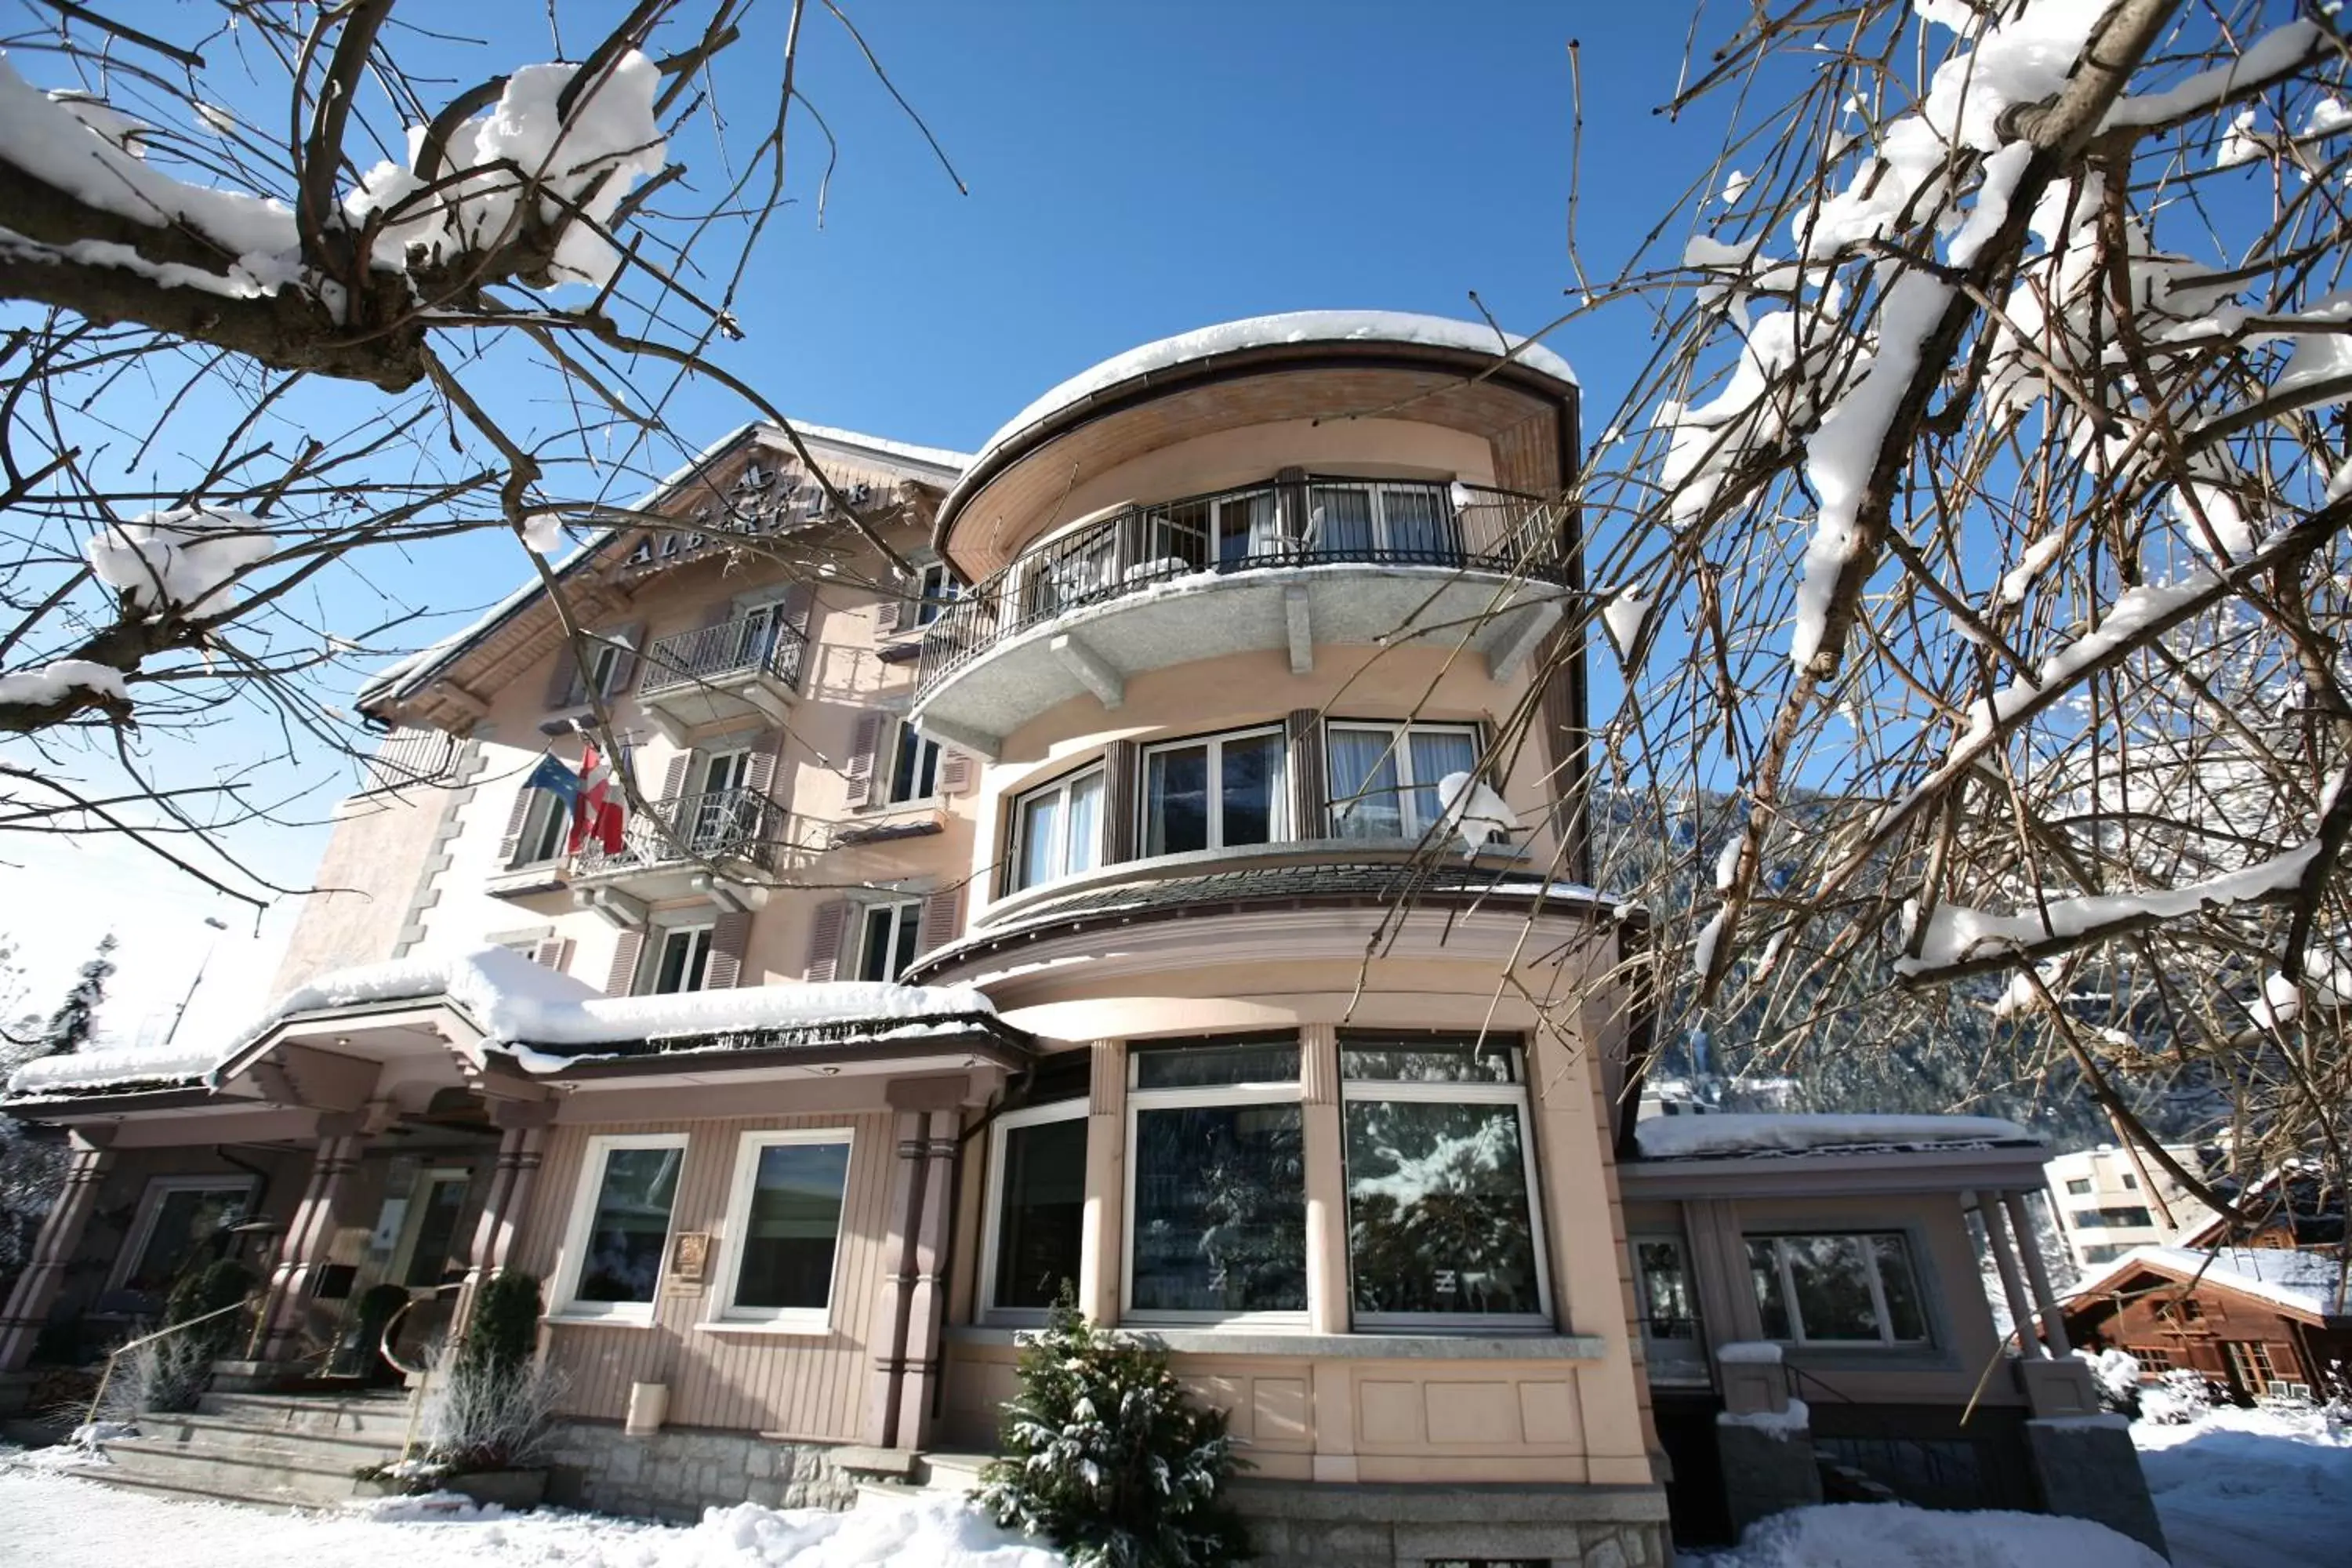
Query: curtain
(1340, 520)
(1364, 799)
(1436, 753)
(1416, 523)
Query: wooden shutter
(799, 600)
(729, 934)
(892, 611)
(552, 952)
(1119, 803)
(623, 977)
(955, 770)
(624, 667)
(860, 770)
(674, 780)
(942, 917)
(824, 940)
(563, 688)
(518, 814)
(760, 767)
(1309, 793)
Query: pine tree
(70, 1027)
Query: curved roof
(1266, 331)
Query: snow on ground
(56, 1521)
(2251, 1488)
(1890, 1536)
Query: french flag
(597, 811)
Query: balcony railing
(717, 825)
(1314, 521)
(758, 644)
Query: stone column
(306, 1239)
(928, 1298)
(37, 1288)
(1322, 1132)
(1100, 1277)
(1763, 1438)
(2021, 1309)
(2037, 1274)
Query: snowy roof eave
(1399, 328)
(2187, 1264)
(1739, 1135)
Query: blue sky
(1135, 170)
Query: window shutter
(942, 917)
(1309, 794)
(892, 611)
(564, 689)
(674, 780)
(552, 952)
(955, 770)
(1120, 807)
(510, 845)
(760, 768)
(623, 977)
(729, 936)
(859, 771)
(824, 940)
(798, 602)
(624, 667)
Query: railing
(762, 644)
(1312, 521)
(411, 759)
(107, 1375)
(720, 824)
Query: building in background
(2108, 1201)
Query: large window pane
(1176, 800)
(1436, 755)
(1342, 520)
(630, 1223)
(1665, 1291)
(187, 1221)
(1038, 1220)
(1041, 839)
(795, 1223)
(1904, 1315)
(1438, 1208)
(1429, 1061)
(1830, 1277)
(1248, 527)
(1771, 1301)
(1251, 784)
(1364, 802)
(1416, 523)
(1220, 1221)
(1196, 1066)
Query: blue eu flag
(555, 776)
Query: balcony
(718, 846)
(1284, 564)
(739, 668)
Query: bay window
(1215, 792)
(1216, 1181)
(1036, 1206)
(1440, 1195)
(613, 1247)
(783, 1219)
(1384, 777)
(1058, 830)
(1856, 1288)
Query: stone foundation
(1767, 1466)
(675, 1473)
(1299, 1525)
(2087, 1469)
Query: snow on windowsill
(1783, 1425)
(1733, 1133)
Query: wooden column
(910, 1144)
(37, 1288)
(521, 1146)
(914, 1300)
(1101, 1278)
(927, 1300)
(307, 1240)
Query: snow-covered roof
(1736, 1133)
(403, 676)
(1266, 331)
(515, 1002)
(2308, 1279)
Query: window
(1384, 777)
(1036, 1200)
(910, 766)
(180, 1222)
(2103, 1253)
(887, 938)
(1440, 1203)
(1209, 794)
(2250, 1361)
(2079, 1187)
(681, 959)
(546, 829)
(1227, 531)
(1058, 830)
(619, 1225)
(1216, 1180)
(784, 1218)
(1662, 1282)
(934, 589)
(2106, 1218)
(1836, 1289)
(724, 771)
(2150, 1359)
(2190, 1312)
(1357, 519)
(2131, 1183)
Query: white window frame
(905, 911)
(1400, 733)
(737, 1225)
(1210, 1096)
(1379, 491)
(1280, 830)
(992, 1197)
(1512, 1094)
(735, 760)
(1019, 836)
(548, 813)
(1885, 1340)
(893, 740)
(935, 589)
(573, 1256)
(660, 944)
(151, 1209)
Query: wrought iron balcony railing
(717, 825)
(1317, 520)
(761, 643)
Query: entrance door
(429, 1236)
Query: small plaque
(690, 1258)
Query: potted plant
(487, 1407)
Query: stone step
(957, 1473)
(369, 1415)
(114, 1475)
(266, 1479)
(234, 1435)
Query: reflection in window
(788, 1213)
(1041, 1182)
(1059, 829)
(186, 1219)
(1668, 1309)
(1219, 1224)
(1209, 794)
(1850, 1288)
(1384, 777)
(1439, 1217)
(621, 1252)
